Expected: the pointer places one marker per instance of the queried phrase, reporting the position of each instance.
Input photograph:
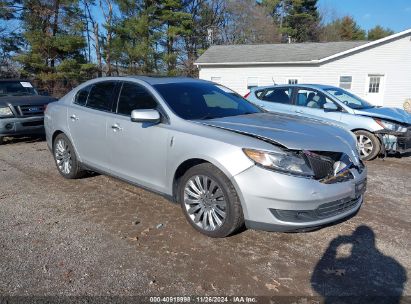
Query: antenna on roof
(272, 78)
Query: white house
(378, 71)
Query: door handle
(299, 111)
(73, 117)
(116, 127)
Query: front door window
(311, 99)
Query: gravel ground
(100, 236)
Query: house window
(252, 82)
(216, 79)
(292, 80)
(345, 82)
(374, 84)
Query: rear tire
(368, 144)
(65, 158)
(209, 201)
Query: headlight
(391, 126)
(5, 112)
(280, 161)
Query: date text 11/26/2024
(204, 299)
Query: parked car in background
(379, 130)
(223, 159)
(21, 109)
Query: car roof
(305, 85)
(147, 79)
(163, 80)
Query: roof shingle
(275, 53)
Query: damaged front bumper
(395, 141)
(274, 201)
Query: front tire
(65, 158)
(1, 140)
(368, 144)
(209, 201)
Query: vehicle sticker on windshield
(26, 84)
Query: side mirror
(149, 115)
(330, 107)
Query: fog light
(8, 126)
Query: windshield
(16, 88)
(354, 102)
(198, 100)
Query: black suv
(21, 109)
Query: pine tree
(175, 24)
(301, 20)
(350, 30)
(52, 31)
(11, 39)
(276, 10)
(136, 34)
(379, 32)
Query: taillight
(248, 94)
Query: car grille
(321, 165)
(336, 207)
(33, 123)
(323, 211)
(31, 110)
(404, 141)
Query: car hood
(394, 114)
(292, 132)
(25, 100)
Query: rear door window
(82, 95)
(278, 95)
(101, 96)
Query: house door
(375, 89)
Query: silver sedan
(226, 161)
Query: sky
(394, 14)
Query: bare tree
(207, 16)
(248, 22)
(330, 24)
(107, 10)
(95, 28)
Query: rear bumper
(21, 126)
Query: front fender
(228, 158)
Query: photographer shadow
(364, 276)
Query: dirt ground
(100, 236)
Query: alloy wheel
(365, 145)
(205, 202)
(63, 157)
